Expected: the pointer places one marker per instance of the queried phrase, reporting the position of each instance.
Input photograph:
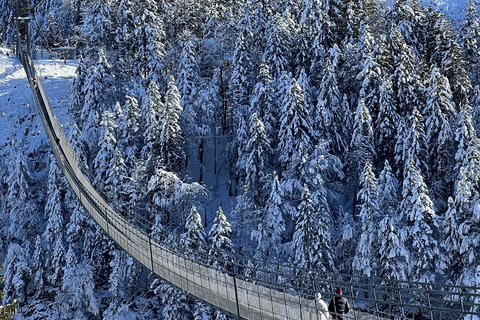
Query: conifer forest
(333, 135)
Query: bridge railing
(248, 288)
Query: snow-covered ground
(19, 120)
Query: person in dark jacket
(338, 306)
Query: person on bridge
(338, 306)
(321, 306)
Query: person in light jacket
(322, 308)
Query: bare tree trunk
(201, 149)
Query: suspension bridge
(243, 288)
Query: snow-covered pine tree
(206, 111)
(467, 202)
(193, 240)
(387, 121)
(129, 132)
(23, 220)
(370, 75)
(122, 282)
(77, 299)
(279, 40)
(469, 39)
(452, 260)
(188, 84)
(262, 100)
(221, 248)
(170, 199)
(54, 234)
(149, 44)
(388, 188)
(329, 113)
(151, 110)
(411, 141)
(295, 133)
(52, 32)
(420, 220)
(447, 54)
(311, 239)
(171, 139)
(394, 256)
(174, 301)
(440, 114)
(271, 226)
(106, 149)
(258, 150)
(404, 78)
(17, 274)
(98, 89)
(38, 270)
(124, 29)
(410, 18)
(366, 260)
(96, 27)
(118, 185)
(241, 83)
(362, 143)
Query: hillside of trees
(344, 132)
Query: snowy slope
(19, 121)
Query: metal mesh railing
(242, 287)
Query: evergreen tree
(171, 139)
(366, 259)
(17, 275)
(38, 268)
(99, 85)
(370, 75)
(258, 147)
(152, 109)
(175, 302)
(440, 114)
(221, 248)
(271, 227)
(77, 296)
(170, 199)
(279, 40)
(106, 149)
(118, 186)
(362, 144)
(122, 280)
(188, 84)
(469, 39)
(23, 216)
(386, 122)
(129, 131)
(54, 233)
(411, 141)
(96, 26)
(452, 262)
(311, 239)
(421, 224)
(194, 237)
(394, 256)
(124, 38)
(448, 56)
(388, 191)
(149, 44)
(329, 113)
(295, 134)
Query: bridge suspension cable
(242, 287)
